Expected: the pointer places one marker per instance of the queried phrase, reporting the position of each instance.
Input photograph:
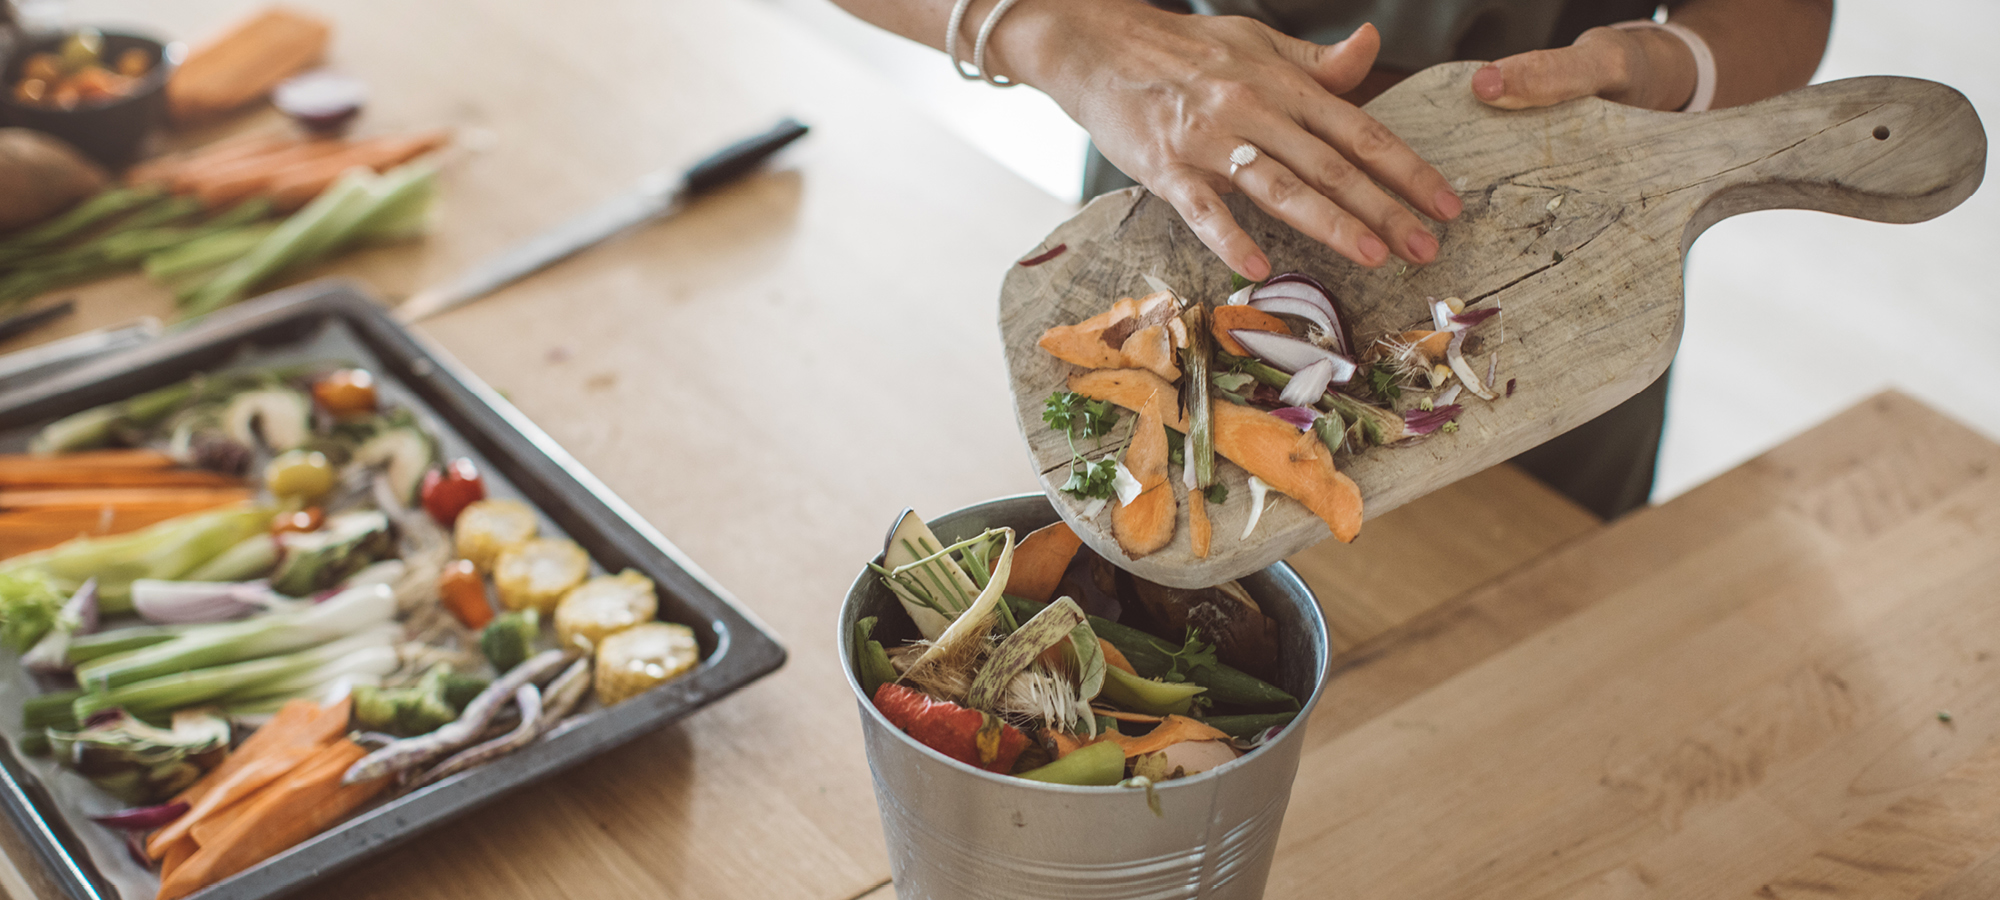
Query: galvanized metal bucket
(955, 832)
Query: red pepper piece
(967, 735)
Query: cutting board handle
(1881, 148)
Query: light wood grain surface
(1576, 221)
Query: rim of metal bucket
(844, 639)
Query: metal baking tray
(334, 320)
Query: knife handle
(734, 161)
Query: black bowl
(109, 132)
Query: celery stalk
(81, 217)
(346, 613)
(251, 679)
(167, 550)
(282, 249)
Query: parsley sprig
(1076, 415)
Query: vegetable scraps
(1268, 380)
(1009, 674)
(331, 590)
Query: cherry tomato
(449, 490)
(463, 591)
(346, 393)
(307, 519)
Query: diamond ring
(1243, 155)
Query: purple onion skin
(135, 847)
(1339, 315)
(1418, 421)
(143, 818)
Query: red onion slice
(1292, 306)
(1426, 421)
(1302, 288)
(1291, 354)
(1307, 385)
(1473, 317)
(178, 602)
(144, 817)
(1299, 417)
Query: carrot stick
(113, 477)
(90, 459)
(163, 170)
(229, 182)
(295, 807)
(298, 184)
(175, 855)
(299, 723)
(136, 498)
(239, 784)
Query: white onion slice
(1241, 297)
(1153, 281)
(1454, 353)
(1259, 491)
(1441, 315)
(1095, 506)
(1293, 306)
(1307, 384)
(175, 602)
(1128, 488)
(1292, 355)
(1450, 394)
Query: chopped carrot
(296, 185)
(1129, 388)
(1225, 319)
(163, 170)
(240, 179)
(1430, 344)
(1114, 658)
(304, 802)
(1147, 523)
(1269, 448)
(1040, 561)
(176, 854)
(1174, 730)
(299, 723)
(244, 781)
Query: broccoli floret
(433, 702)
(509, 639)
(29, 605)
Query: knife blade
(655, 196)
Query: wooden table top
(1528, 703)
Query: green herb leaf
(1238, 282)
(1093, 480)
(1176, 448)
(1382, 379)
(1217, 493)
(1234, 386)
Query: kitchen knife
(657, 195)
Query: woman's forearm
(1762, 47)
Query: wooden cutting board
(1576, 222)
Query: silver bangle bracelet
(1704, 60)
(978, 71)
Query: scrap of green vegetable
(871, 661)
(1367, 425)
(1075, 415)
(1192, 656)
(1152, 657)
(1011, 657)
(1197, 360)
(938, 582)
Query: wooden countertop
(772, 376)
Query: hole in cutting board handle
(1881, 132)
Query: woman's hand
(1168, 97)
(1644, 67)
